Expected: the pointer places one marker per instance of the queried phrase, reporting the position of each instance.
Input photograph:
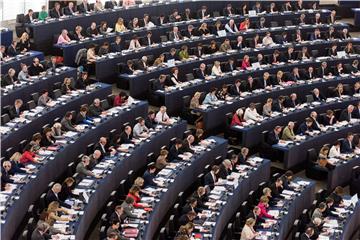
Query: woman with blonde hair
(161, 161)
(120, 26)
(248, 232)
(24, 43)
(216, 69)
(195, 103)
(139, 181)
(67, 87)
(203, 29)
(57, 131)
(53, 210)
(159, 61)
(267, 108)
(263, 205)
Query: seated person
(237, 119)
(211, 97)
(251, 113)
(263, 205)
(104, 49)
(134, 43)
(67, 86)
(56, 11)
(9, 78)
(140, 130)
(66, 123)
(44, 99)
(306, 127)
(129, 68)
(63, 37)
(162, 117)
(83, 118)
(36, 68)
(78, 35)
(95, 109)
(92, 31)
(347, 145)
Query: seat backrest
(5, 118)
(274, 24)
(189, 77)
(186, 101)
(105, 104)
(57, 93)
(31, 104)
(311, 155)
(35, 97)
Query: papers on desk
(274, 213)
(333, 223)
(4, 130)
(86, 182)
(70, 134)
(284, 143)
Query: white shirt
(216, 71)
(134, 44)
(267, 41)
(251, 114)
(161, 117)
(334, 153)
(139, 130)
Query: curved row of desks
(69, 50)
(341, 174)
(293, 154)
(26, 58)
(137, 89)
(56, 164)
(261, 173)
(250, 134)
(25, 131)
(36, 84)
(132, 161)
(183, 180)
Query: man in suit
(29, 17)
(70, 9)
(189, 32)
(150, 119)
(102, 146)
(203, 13)
(257, 7)
(175, 150)
(95, 109)
(289, 56)
(347, 145)
(12, 50)
(84, 7)
(276, 188)
(126, 135)
(347, 114)
(287, 178)
(310, 74)
(199, 51)
(186, 218)
(82, 168)
(16, 110)
(307, 234)
(316, 125)
(116, 215)
(190, 206)
(128, 208)
(94, 158)
(265, 82)
(175, 34)
(175, 16)
(316, 35)
(230, 65)
(66, 123)
(249, 85)
(117, 46)
(225, 169)
(292, 101)
(149, 176)
(332, 17)
(111, 4)
(148, 41)
(187, 15)
(274, 136)
(36, 68)
(56, 11)
(235, 89)
(201, 72)
(279, 106)
(317, 96)
(323, 70)
(52, 196)
(228, 10)
(143, 63)
(159, 84)
(210, 178)
(316, 225)
(306, 127)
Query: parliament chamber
(180, 119)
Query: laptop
(221, 33)
(341, 54)
(255, 65)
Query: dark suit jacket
(103, 151)
(174, 153)
(124, 138)
(321, 73)
(13, 113)
(199, 74)
(149, 179)
(319, 98)
(233, 90)
(67, 11)
(209, 181)
(110, 4)
(6, 80)
(81, 8)
(157, 85)
(291, 104)
(51, 197)
(303, 128)
(345, 116)
(303, 236)
(248, 88)
(346, 148)
(54, 14)
(27, 18)
(229, 68)
(272, 138)
(11, 51)
(116, 47)
(260, 83)
(223, 173)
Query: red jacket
(136, 200)
(245, 64)
(236, 120)
(263, 211)
(27, 156)
(118, 101)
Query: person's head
(250, 222)
(317, 221)
(178, 143)
(256, 210)
(339, 190)
(191, 215)
(103, 141)
(64, 32)
(291, 125)
(6, 165)
(69, 181)
(227, 164)
(322, 207)
(93, 25)
(289, 175)
(172, 51)
(281, 99)
(42, 228)
(309, 231)
(267, 192)
(337, 144)
(175, 29)
(202, 67)
(197, 95)
(244, 151)
(152, 168)
(308, 122)
(269, 101)
(264, 199)
(217, 64)
(162, 78)
(119, 209)
(213, 90)
(293, 96)
(350, 108)
(329, 201)
(277, 129)
(56, 188)
(18, 103)
(163, 109)
(68, 116)
(215, 169)
(192, 202)
(278, 182)
(47, 132)
(313, 114)
(134, 190)
(115, 223)
(85, 160)
(36, 61)
(57, 6)
(201, 191)
(112, 236)
(239, 112)
(36, 138)
(250, 79)
(175, 70)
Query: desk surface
(15, 63)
